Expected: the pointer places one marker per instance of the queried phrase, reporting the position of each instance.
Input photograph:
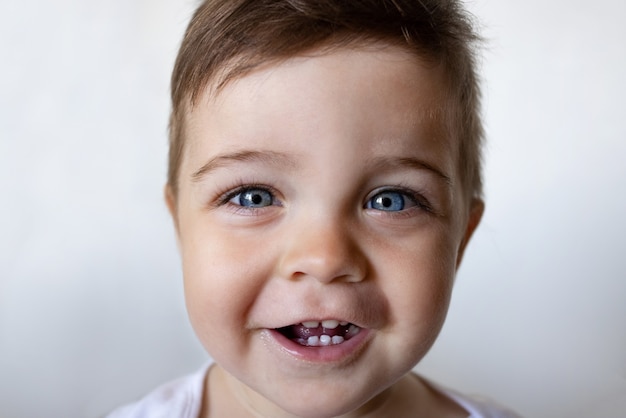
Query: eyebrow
(284, 161)
(223, 160)
(412, 163)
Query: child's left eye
(390, 201)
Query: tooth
(343, 323)
(353, 330)
(313, 341)
(311, 324)
(325, 340)
(337, 339)
(330, 324)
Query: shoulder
(477, 407)
(180, 398)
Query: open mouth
(320, 333)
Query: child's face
(323, 188)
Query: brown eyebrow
(222, 160)
(410, 162)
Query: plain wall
(91, 305)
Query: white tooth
(343, 323)
(353, 330)
(313, 341)
(325, 340)
(311, 324)
(337, 339)
(330, 324)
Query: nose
(326, 250)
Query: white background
(91, 307)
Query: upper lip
(366, 311)
(325, 318)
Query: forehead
(376, 88)
(340, 59)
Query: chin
(318, 409)
(323, 403)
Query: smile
(320, 333)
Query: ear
(170, 202)
(477, 208)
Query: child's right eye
(252, 197)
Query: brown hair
(227, 38)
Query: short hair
(228, 38)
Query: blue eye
(253, 198)
(389, 201)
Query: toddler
(324, 181)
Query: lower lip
(345, 351)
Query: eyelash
(417, 198)
(225, 197)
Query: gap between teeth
(328, 324)
(326, 340)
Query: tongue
(299, 331)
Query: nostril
(325, 250)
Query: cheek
(420, 279)
(222, 276)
